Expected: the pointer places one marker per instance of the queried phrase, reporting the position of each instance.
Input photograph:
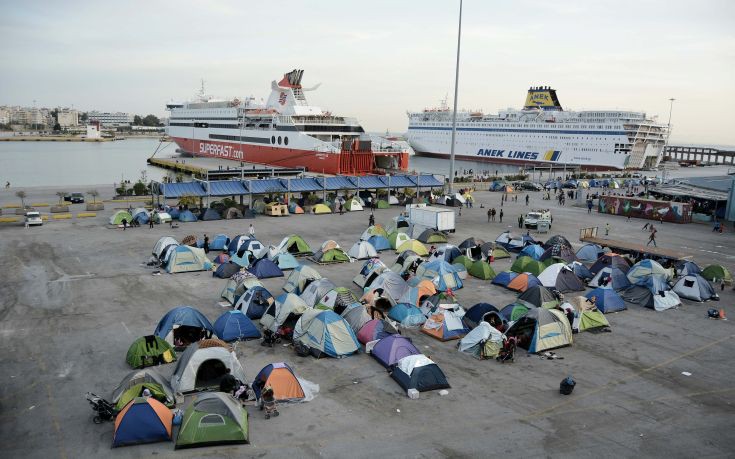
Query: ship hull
(519, 163)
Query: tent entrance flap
(210, 373)
(186, 334)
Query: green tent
(526, 264)
(716, 273)
(149, 350)
(335, 255)
(397, 238)
(481, 270)
(295, 245)
(500, 252)
(514, 311)
(136, 390)
(464, 260)
(214, 418)
(592, 319)
(118, 217)
(382, 204)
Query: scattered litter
(443, 392)
(355, 382)
(397, 410)
(223, 304)
(285, 345)
(426, 347)
(156, 272)
(413, 394)
(31, 407)
(686, 373)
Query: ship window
(285, 140)
(279, 140)
(273, 139)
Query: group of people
(491, 215)
(652, 236)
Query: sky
(378, 59)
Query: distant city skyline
(379, 59)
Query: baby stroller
(104, 409)
(507, 353)
(268, 402)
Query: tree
(94, 194)
(140, 188)
(57, 127)
(84, 117)
(22, 195)
(137, 120)
(151, 120)
(61, 195)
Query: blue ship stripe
(532, 131)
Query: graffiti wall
(668, 211)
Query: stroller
(104, 409)
(507, 353)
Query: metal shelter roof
(177, 190)
(266, 186)
(227, 188)
(304, 184)
(372, 181)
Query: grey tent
(539, 297)
(143, 376)
(210, 214)
(695, 287)
(643, 296)
(202, 368)
(560, 277)
(356, 315)
(316, 290)
(226, 270)
(232, 213)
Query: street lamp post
(668, 134)
(454, 114)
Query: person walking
(645, 227)
(205, 246)
(341, 208)
(494, 213)
(124, 223)
(501, 215)
(489, 214)
(150, 220)
(251, 231)
(652, 238)
(607, 229)
(520, 221)
(371, 221)
(589, 206)
(527, 199)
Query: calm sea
(80, 163)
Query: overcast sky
(376, 59)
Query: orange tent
(279, 376)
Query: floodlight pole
(454, 114)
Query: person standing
(607, 229)
(341, 208)
(501, 215)
(489, 214)
(520, 221)
(527, 199)
(205, 246)
(124, 223)
(251, 231)
(150, 220)
(494, 213)
(371, 221)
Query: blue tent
(534, 251)
(187, 216)
(286, 261)
(326, 332)
(182, 316)
(503, 278)
(173, 212)
(143, 420)
(236, 242)
(379, 242)
(219, 242)
(442, 274)
(610, 277)
(254, 302)
(406, 314)
(264, 268)
(607, 300)
(594, 183)
(514, 311)
(476, 313)
(580, 270)
(141, 217)
(688, 267)
(226, 270)
(589, 253)
(234, 325)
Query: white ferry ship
(284, 131)
(540, 134)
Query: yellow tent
(321, 209)
(416, 246)
(583, 184)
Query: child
(268, 402)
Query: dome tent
(643, 296)
(407, 315)
(119, 216)
(254, 302)
(695, 287)
(442, 274)
(539, 297)
(226, 270)
(183, 324)
(201, 368)
(610, 259)
(481, 270)
(581, 270)
(610, 277)
(716, 273)
(392, 348)
(295, 245)
(477, 314)
(375, 329)
(316, 291)
(234, 325)
(337, 300)
(362, 250)
(446, 323)
(523, 282)
(415, 246)
(370, 270)
(300, 278)
(356, 315)
(212, 419)
(379, 242)
(325, 333)
(446, 253)
(162, 243)
(533, 251)
(688, 267)
(284, 312)
(185, 259)
(504, 278)
(541, 329)
(514, 311)
(281, 378)
(589, 253)
(219, 242)
(420, 373)
(148, 351)
(133, 384)
(285, 261)
(526, 264)
(559, 277)
(264, 269)
(143, 420)
(396, 239)
(606, 300)
(483, 342)
(187, 216)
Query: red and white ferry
(285, 131)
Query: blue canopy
(265, 268)
(234, 325)
(607, 300)
(182, 315)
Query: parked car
(533, 217)
(33, 219)
(529, 186)
(74, 198)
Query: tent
(373, 230)
(640, 272)
(353, 205)
(481, 270)
(337, 300)
(610, 259)
(299, 278)
(329, 244)
(695, 287)
(286, 261)
(525, 264)
(213, 419)
(281, 378)
(379, 242)
(581, 270)
(514, 243)
(201, 368)
(610, 277)
(606, 300)
(559, 277)
(559, 252)
(362, 250)
(119, 216)
(496, 250)
(716, 273)
(523, 282)
(407, 315)
(295, 245)
(149, 350)
(237, 242)
(238, 284)
(415, 246)
(355, 315)
(162, 243)
(135, 382)
(392, 348)
(470, 243)
(210, 214)
(335, 255)
(541, 329)
(143, 420)
(514, 311)
(407, 262)
(477, 313)
(446, 252)
(446, 323)
(688, 267)
(264, 269)
(483, 342)
(589, 253)
(375, 329)
(464, 261)
(283, 313)
(325, 333)
(161, 217)
(255, 247)
(392, 200)
(254, 302)
(557, 240)
(316, 291)
(420, 373)
(242, 257)
(226, 270)
(370, 270)
(187, 216)
(295, 208)
(442, 274)
(233, 213)
(321, 209)
(187, 259)
(183, 324)
(430, 236)
(234, 325)
(503, 278)
(539, 297)
(396, 239)
(586, 315)
(165, 256)
(258, 207)
(382, 204)
(141, 216)
(643, 296)
(533, 251)
(174, 212)
(219, 242)
(248, 214)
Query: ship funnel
(543, 97)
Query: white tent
(278, 312)
(187, 376)
(392, 200)
(362, 250)
(162, 244)
(371, 269)
(299, 277)
(548, 275)
(695, 287)
(162, 217)
(479, 335)
(316, 290)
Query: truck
(421, 215)
(532, 218)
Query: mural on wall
(668, 211)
